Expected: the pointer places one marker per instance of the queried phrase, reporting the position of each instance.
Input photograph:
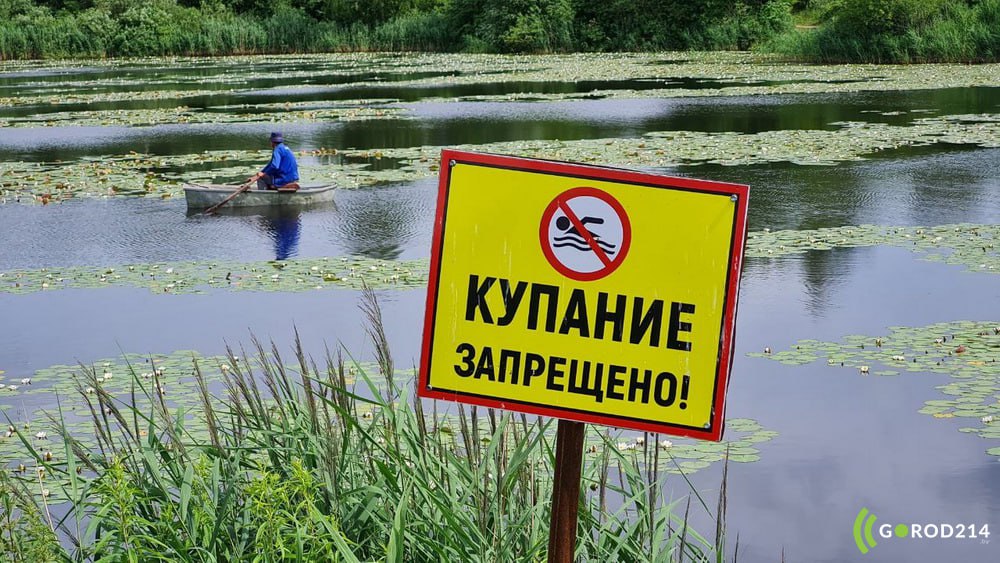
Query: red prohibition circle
(561, 203)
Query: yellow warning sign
(588, 293)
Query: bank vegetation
(889, 31)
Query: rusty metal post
(566, 491)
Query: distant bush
(516, 26)
(876, 17)
(642, 25)
(415, 32)
(743, 27)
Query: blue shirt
(282, 169)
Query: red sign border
(543, 233)
(739, 192)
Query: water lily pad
(975, 372)
(307, 274)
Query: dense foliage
(55, 28)
(828, 30)
(897, 31)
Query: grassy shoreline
(841, 31)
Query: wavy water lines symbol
(573, 239)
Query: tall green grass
(301, 464)
(167, 29)
(912, 31)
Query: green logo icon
(863, 524)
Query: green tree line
(822, 30)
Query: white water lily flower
(170, 270)
(987, 419)
(41, 435)
(864, 369)
(12, 387)
(26, 381)
(666, 444)
(89, 390)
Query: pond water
(845, 441)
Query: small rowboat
(202, 196)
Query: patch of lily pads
(305, 274)
(161, 176)
(681, 455)
(966, 351)
(741, 74)
(304, 112)
(977, 247)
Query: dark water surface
(845, 441)
(441, 123)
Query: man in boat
(282, 173)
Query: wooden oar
(242, 189)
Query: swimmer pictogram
(585, 233)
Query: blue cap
(277, 138)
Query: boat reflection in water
(282, 225)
